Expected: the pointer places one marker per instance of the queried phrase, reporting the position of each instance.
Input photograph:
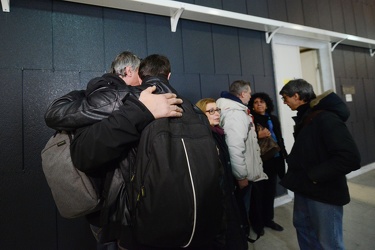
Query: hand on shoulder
(161, 105)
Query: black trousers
(263, 194)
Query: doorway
(294, 58)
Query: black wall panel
(369, 89)
(251, 52)
(277, 10)
(188, 85)
(370, 63)
(85, 77)
(339, 65)
(360, 60)
(369, 148)
(212, 85)
(257, 8)
(345, 82)
(324, 12)
(77, 37)
(359, 134)
(369, 16)
(265, 84)
(359, 18)
(209, 3)
(294, 11)
(349, 62)
(349, 21)
(171, 43)
(197, 47)
(310, 12)
(267, 57)
(360, 99)
(226, 50)
(26, 36)
(123, 30)
(11, 125)
(238, 6)
(338, 23)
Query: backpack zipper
(194, 195)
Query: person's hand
(161, 105)
(243, 183)
(264, 133)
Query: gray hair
(237, 87)
(300, 86)
(122, 60)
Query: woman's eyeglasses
(212, 111)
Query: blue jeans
(318, 225)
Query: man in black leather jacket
(107, 119)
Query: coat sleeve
(236, 130)
(108, 141)
(77, 109)
(336, 146)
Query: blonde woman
(235, 237)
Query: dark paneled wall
(48, 48)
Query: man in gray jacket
(240, 136)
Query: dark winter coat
(235, 235)
(323, 153)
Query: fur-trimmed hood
(330, 101)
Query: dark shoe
(273, 225)
(261, 232)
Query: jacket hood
(226, 94)
(226, 104)
(330, 101)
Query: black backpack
(177, 195)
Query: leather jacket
(103, 95)
(77, 110)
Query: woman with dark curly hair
(261, 107)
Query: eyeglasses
(283, 98)
(212, 111)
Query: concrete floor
(359, 219)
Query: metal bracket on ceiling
(372, 52)
(5, 5)
(337, 43)
(269, 37)
(174, 19)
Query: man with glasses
(323, 153)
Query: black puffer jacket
(323, 153)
